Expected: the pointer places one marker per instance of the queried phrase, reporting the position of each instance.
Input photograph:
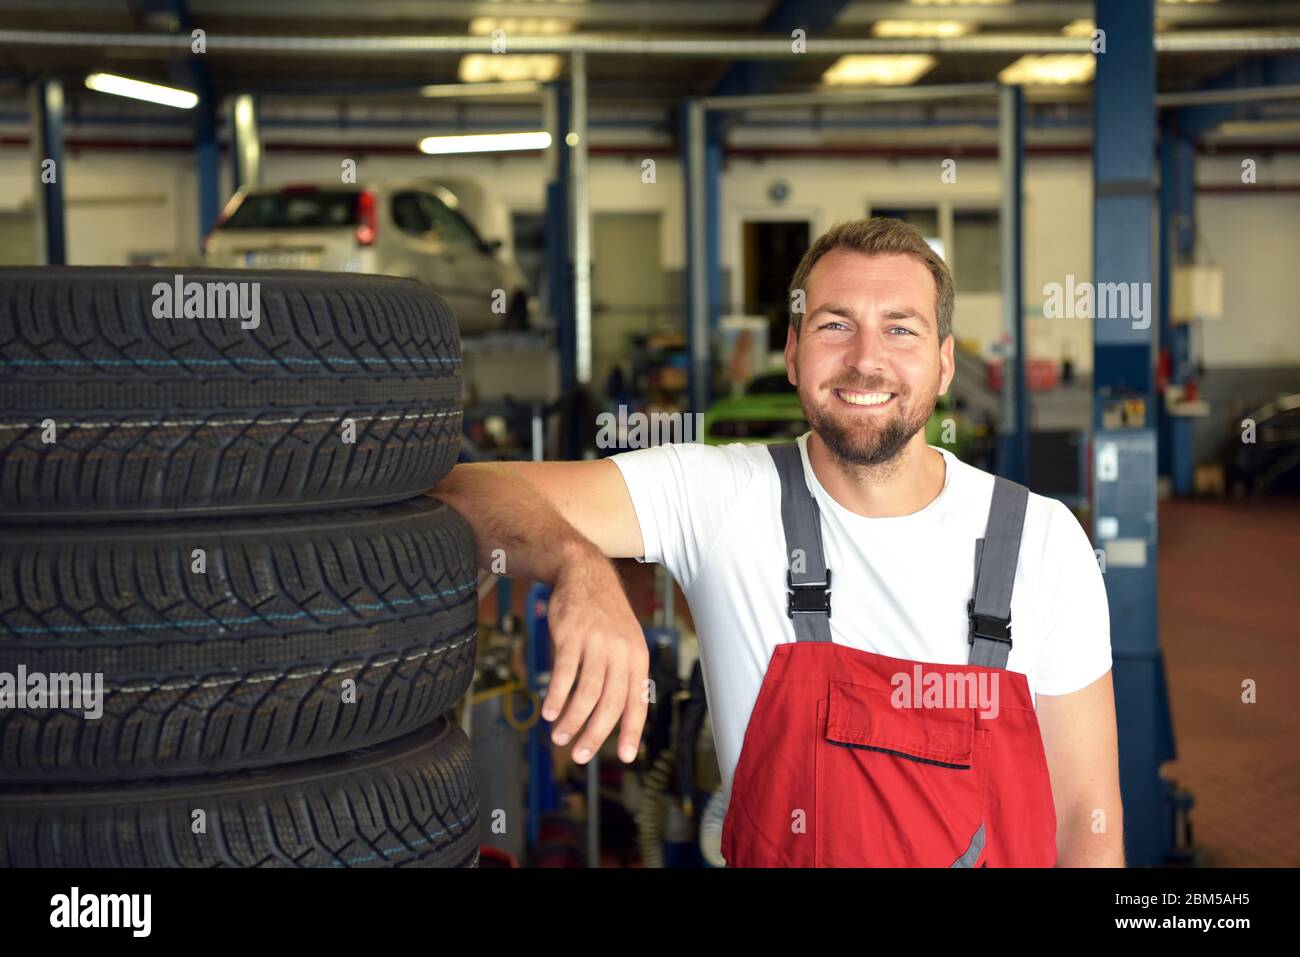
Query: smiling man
(944, 579)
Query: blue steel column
(1177, 245)
(1124, 449)
(207, 153)
(46, 100)
(207, 158)
(559, 271)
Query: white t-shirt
(711, 515)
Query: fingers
(634, 715)
(563, 672)
(613, 697)
(591, 681)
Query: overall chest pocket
(898, 786)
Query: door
(628, 287)
(415, 250)
(471, 269)
(772, 252)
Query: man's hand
(599, 642)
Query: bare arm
(536, 519)
(1080, 742)
(526, 531)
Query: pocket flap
(864, 717)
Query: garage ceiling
(642, 80)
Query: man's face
(868, 363)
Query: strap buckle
(987, 626)
(808, 597)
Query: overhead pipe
(756, 48)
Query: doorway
(772, 250)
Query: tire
(410, 803)
(244, 664)
(158, 417)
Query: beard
(861, 440)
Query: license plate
(282, 259)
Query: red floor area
(1230, 612)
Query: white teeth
(865, 398)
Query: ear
(947, 364)
(791, 355)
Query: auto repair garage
(273, 270)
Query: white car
(411, 228)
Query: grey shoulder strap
(808, 598)
(996, 555)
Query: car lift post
(1124, 435)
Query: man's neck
(906, 484)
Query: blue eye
(902, 329)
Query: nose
(866, 354)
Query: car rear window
(295, 210)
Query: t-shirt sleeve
(682, 493)
(1076, 650)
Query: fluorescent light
(509, 67)
(519, 26)
(903, 29)
(959, 3)
(140, 90)
(886, 69)
(512, 67)
(1259, 128)
(485, 143)
(1078, 28)
(1055, 69)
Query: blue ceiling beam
(786, 16)
(1262, 71)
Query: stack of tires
(211, 507)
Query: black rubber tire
(154, 417)
(411, 803)
(243, 665)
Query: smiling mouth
(863, 399)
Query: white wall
(124, 203)
(1256, 239)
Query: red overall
(847, 764)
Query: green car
(768, 411)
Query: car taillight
(367, 219)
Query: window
(924, 218)
(977, 253)
(409, 214)
(299, 209)
(449, 225)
